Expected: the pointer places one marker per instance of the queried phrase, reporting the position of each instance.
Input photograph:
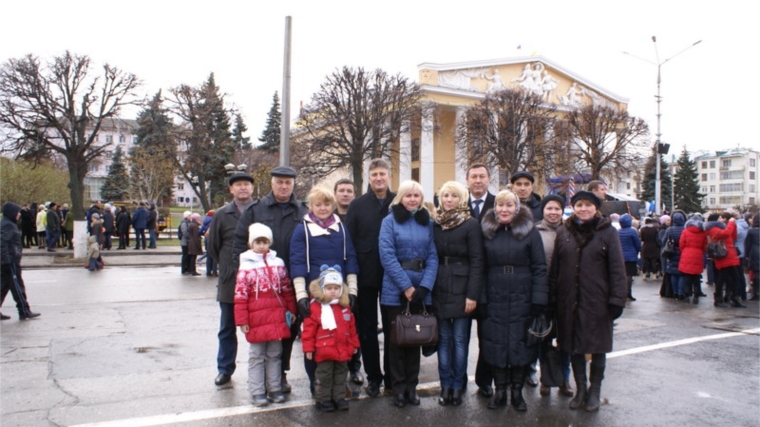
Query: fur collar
(319, 295)
(520, 226)
(401, 215)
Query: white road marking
(206, 414)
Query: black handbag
(414, 330)
(668, 249)
(551, 367)
(538, 330)
(716, 249)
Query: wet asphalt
(134, 346)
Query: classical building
(116, 133)
(729, 178)
(431, 155)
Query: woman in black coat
(123, 222)
(516, 291)
(588, 289)
(458, 284)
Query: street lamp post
(657, 144)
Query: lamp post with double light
(659, 146)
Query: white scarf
(328, 318)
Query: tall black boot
(500, 378)
(593, 400)
(718, 300)
(579, 373)
(518, 379)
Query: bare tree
(58, 108)
(605, 139)
(357, 115)
(509, 129)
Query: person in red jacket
(329, 337)
(265, 304)
(726, 268)
(693, 244)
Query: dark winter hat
(238, 176)
(586, 195)
(10, 211)
(552, 198)
(283, 171)
(522, 174)
(52, 205)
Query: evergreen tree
(152, 157)
(647, 189)
(116, 185)
(686, 185)
(241, 142)
(207, 137)
(271, 135)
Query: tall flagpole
(285, 121)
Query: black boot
(736, 302)
(445, 397)
(499, 398)
(593, 401)
(579, 373)
(718, 300)
(518, 379)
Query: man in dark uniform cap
(281, 212)
(523, 185)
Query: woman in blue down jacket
(631, 245)
(410, 260)
(678, 220)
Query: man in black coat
(281, 212)
(53, 228)
(364, 218)
(10, 262)
(481, 201)
(221, 235)
(523, 184)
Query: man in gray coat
(221, 235)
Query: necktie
(477, 207)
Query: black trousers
(729, 278)
(483, 374)
(403, 362)
(10, 280)
(366, 325)
(185, 264)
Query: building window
(92, 168)
(712, 201)
(712, 164)
(732, 175)
(736, 186)
(703, 190)
(752, 188)
(704, 165)
(122, 139)
(751, 200)
(627, 185)
(752, 162)
(704, 177)
(180, 186)
(726, 163)
(731, 200)
(416, 174)
(751, 175)
(180, 199)
(134, 139)
(712, 188)
(108, 168)
(109, 139)
(109, 154)
(415, 150)
(712, 176)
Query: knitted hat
(95, 216)
(330, 276)
(257, 231)
(664, 219)
(586, 195)
(552, 198)
(186, 214)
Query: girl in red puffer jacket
(329, 337)
(693, 244)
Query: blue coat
(674, 232)
(629, 239)
(406, 237)
(331, 246)
(140, 218)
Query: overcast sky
(167, 43)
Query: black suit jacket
(488, 204)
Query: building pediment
(535, 74)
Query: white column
(427, 174)
(405, 155)
(460, 152)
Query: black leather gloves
(303, 307)
(419, 294)
(615, 311)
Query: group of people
(340, 264)
(46, 226)
(676, 249)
